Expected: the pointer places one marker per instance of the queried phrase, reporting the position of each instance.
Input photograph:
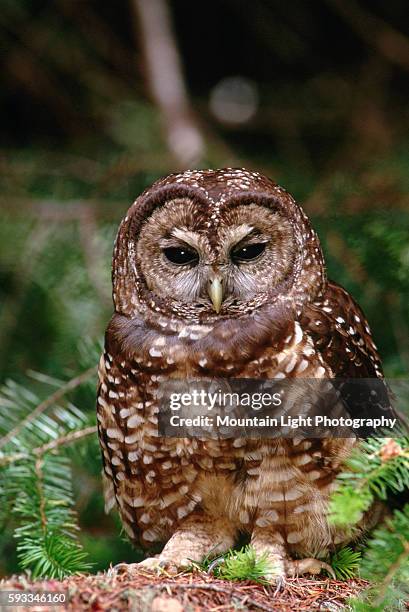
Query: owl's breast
(159, 481)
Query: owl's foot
(279, 582)
(308, 566)
(134, 568)
(276, 575)
(158, 564)
(190, 544)
(274, 553)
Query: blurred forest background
(100, 98)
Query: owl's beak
(216, 293)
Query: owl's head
(215, 243)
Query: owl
(218, 273)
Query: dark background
(318, 101)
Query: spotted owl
(219, 273)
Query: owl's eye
(248, 252)
(181, 255)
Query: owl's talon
(119, 567)
(280, 584)
(309, 566)
(125, 568)
(215, 563)
(160, 565)
(329, 569)
(153, 564)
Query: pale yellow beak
(216, 294)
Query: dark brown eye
(181, 255)
(248, 252)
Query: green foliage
(377, 468)
(368, 475)
(386, 564)
(346, 508)
(388, 546)
(244, 564)
(35, 471)
(345, 562)
(47, 537)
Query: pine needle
(35, 473)
(345, 563)
(244, 564)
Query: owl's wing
(122, 430)
(341, 335)
(104, 421)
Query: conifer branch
(35, 472)
(376, 469)
(48, 402)
(40, 450)
(394, 568)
